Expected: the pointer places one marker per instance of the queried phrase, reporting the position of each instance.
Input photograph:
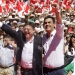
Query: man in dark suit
(30, 49)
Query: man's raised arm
(57, 12)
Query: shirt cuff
(1, 24)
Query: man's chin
(48, 30)
(27, 36)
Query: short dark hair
(49, 16)
(70, 42)
(30, 24)
(7, 36)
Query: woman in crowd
(71, 51)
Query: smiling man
(30, 49)
(53, 42)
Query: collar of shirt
(31, 40)
(52, 33)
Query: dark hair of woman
(71, 43)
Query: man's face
(5, 41)
(49, 25)
(28, 31)
(13, 28)
(21, 28)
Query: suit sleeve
(9, 31)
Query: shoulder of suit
(37, 37)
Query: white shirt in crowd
(6, 57)
(53, 48)
(71, 54)
(27, 54)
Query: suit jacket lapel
(35, 45)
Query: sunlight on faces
(29, 31)
(49, 25)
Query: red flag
(48, 7)
(7, 7)
(26, 8)
(60, 4)
(41, 4)
(22, 3)
(69, 2)
(42, 0)
(38, 1)
(0, 9)
(55, 1)
(67, 7)
(47, 2)
(70, 29)
(13, 1)
(53, 10)
(33, 1)
(8, 1)
(19, 7)
(3, 1)
(39, 10)
(65, 1)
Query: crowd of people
(37, 43)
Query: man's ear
(54, 25)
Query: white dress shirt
(53, 48)
(27, 54)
